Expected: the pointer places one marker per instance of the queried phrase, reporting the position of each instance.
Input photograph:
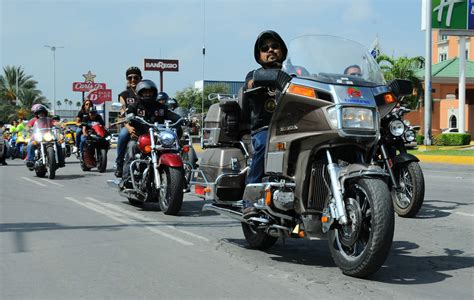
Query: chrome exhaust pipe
(224, 211)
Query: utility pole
(53, 48)
(427, 125)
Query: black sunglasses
(131, 77)
(267, 47)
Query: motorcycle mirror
(401, 87)
(271, 78)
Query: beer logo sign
(354, 92)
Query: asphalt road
(76, 238)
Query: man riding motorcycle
(152, 111)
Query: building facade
(447, 47)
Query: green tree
(404, 68)
(27, 94)
(192, 97)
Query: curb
(445, 159)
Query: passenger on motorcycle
(40, 111)
(149, 109)
(269, 51)
(162, 98)
(91, 117)
(172, 104)
(79, 119)
(127, 97)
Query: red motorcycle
(96, 147)
(156, 173)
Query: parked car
(450, 130)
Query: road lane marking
(35, 182)
(126, 221)
(52, 182)
(144, 218)
(464, 214)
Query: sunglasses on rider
(132, 77)
(265, 48)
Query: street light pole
(53, 48)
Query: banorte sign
(87, 86)
(161, 65)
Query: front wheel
(171, 191)
(103, 160)
(408, 200)
(360, 248)
(51, 161)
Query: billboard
(87, 86)
(100, 96)
(452, 14)
(161, 65)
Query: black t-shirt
(154, 112)
(81, 115)
(87, 120)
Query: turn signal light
(268, 197)
(302, 91)
(186, 148)
(207, 190)
(301, 234)
(281, 146)
(324, 219)
(147, 149)
(389, 98)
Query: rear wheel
(51, 162)
(171, 191)
(360, 248)
(408, 200)
(257, 238)
(103, 160)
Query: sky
(107, 36)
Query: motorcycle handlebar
(143, 121)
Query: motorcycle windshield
(43, 123)
(331, 59)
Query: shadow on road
(433, 209)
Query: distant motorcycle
(45, 136)
(407, 185)
(156, 173)
(96, 148)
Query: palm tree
(404, 68)
(27, 94)
(58, 103)
(78, 104)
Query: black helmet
(172, 103)
(146, 85)
(56, 118)
(133, 70)
(266, 35)
(39, 108)
(162, 97)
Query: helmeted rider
(149, 109)
(172, 104)
(40, 111)
(162, 97)
(126, 98)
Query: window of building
(443, 37)
(453, 122)
(443, 57)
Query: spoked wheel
(171, 191)
(408, 200)
(51, 162)
(257, 238)
(360, 248)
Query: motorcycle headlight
(108, 138)
(332, 113)
(406, 122)
(396, 127)
(48, 137)
(167, 138)
(410, 136)
(357, 118)
(38, 136)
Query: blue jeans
(30, 149)
(83, 142)
(78, 136)
(259, 143)
(122, 142)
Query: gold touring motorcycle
(319, 180)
